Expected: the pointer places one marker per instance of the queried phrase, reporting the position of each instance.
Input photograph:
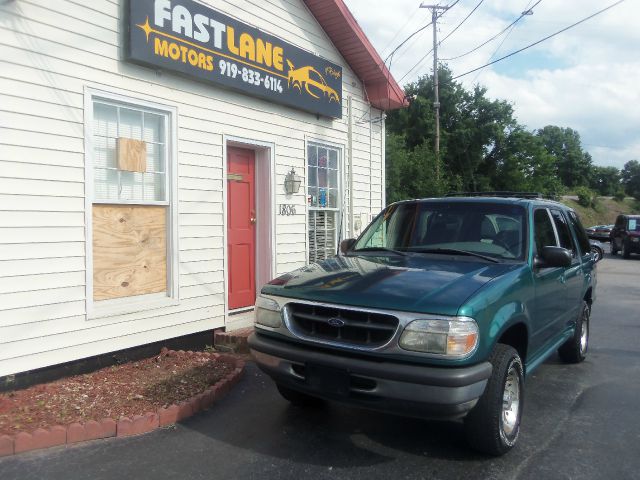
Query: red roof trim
(344, 31)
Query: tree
(523, 164)
(471, 125)
(411, 173)
(605, 180)
(573, 165)
(631, 178)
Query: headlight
(268, 312)
(456, 337)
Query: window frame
(565, 217)
(553, 225)
(119, 306)
(167, 154)
(339, 197)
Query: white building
(146, 151)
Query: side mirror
(345, 245)
(553, 257)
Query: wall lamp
(292, 182)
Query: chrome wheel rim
(584, 335)
(511, 401)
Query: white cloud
(585, 78)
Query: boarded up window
(129, 251)
(131, 200)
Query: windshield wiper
(455, 251)
(379, 249)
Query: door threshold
(240, 310)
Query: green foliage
(586, 197)
(605, 180)
(484, 148)
(412, 173)
(619, 196)
(631, 178)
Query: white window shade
(112, 121)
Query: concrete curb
(125, 427)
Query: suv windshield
(491, 229)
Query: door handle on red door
(253, 220)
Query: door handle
(253, 220)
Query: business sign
(200, 42)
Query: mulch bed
(113, 392)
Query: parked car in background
(600, 232)
(597, 249)
(439, 310)
(625, 235)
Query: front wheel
(575, 349)
(493, 426)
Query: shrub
(619, 196)
(586, 197)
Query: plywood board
(132, 155)
(129, 251)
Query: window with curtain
(323, 180)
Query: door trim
(265, 264)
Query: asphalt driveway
(580, 421)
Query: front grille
(363, 329)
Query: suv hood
(416, 283)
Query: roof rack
(526, 195)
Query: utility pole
(435, 10)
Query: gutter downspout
(351, 231)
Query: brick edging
(124, 427)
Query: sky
(587, 78)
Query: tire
(599, 253)
(485, 426)
(626, 253)
(299, 399)
(575, 349)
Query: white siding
(50, 52)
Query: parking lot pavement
(580, 421)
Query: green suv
(440, 309)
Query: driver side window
(543, 230)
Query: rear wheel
(299, 399)
(493, 426)
(575, 349)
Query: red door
(241, 230)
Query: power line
(506, 37)
(541, 40)
(421, 29)
(526, 12)
(462, 22)
(419, 62)
(411, 17)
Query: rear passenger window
(581, 235)
(544, 235)
(564, 233)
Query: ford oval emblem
(336, 322)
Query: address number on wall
(287, 210)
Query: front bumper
(403, 388)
